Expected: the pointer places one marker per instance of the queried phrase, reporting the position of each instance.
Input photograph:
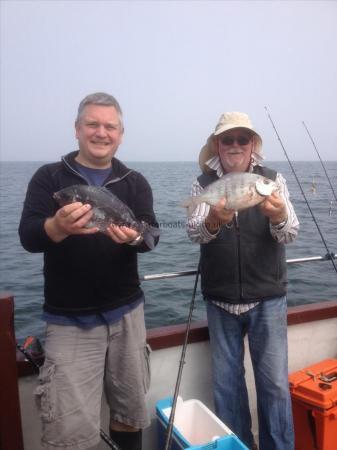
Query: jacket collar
(118, 172)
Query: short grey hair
(103, 99)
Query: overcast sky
(174, 66)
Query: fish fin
(149, 235)
(186, 203)
(190, 203)
(148, 239)
(155, 231)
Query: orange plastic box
(314, 400)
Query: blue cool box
(195, 427)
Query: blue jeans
(266, 327)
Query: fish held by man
(107, 210)
(241, 191)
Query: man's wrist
(212, 223)
(53, 231)
(212, 227)
(280, 224)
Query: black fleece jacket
(91, 273)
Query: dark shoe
(127, 440)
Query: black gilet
(244, 263)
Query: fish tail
(191, 203)
(149, 235)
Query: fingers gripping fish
(241, 190)
(107, 209)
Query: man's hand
(274, 207)
(121, 234)
(68, 220)
(218, 216)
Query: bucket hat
(229, 121)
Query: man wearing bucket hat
(243, 280)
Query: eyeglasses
(241, 140)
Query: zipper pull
(236, 220)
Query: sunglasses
(241, 140)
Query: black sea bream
(241, 190)
(107, 209)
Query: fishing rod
(36, 366)
(181, 364)
(319, 156)
(302, 191)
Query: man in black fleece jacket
(94, 306)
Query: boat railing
(165, 275)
